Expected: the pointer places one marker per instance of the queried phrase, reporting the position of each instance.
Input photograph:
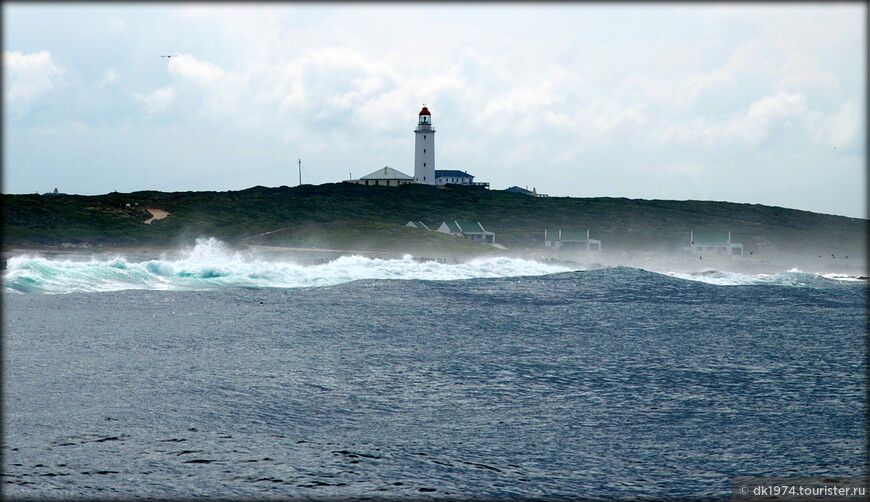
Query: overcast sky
(737, 102)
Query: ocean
(219, 374)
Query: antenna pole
(300, 170)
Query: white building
(424, 149)
(570, 239)
(525, 191)
(713, 243)
(471, 230)
(387, 176)
(455, 177)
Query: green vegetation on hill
(368, 217)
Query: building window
(424, 150)
(424, 136)
(424, 164)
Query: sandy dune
(156, 214)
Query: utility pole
(300, 171)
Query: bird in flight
(170, 56)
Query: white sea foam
(843, 277)
(211, 264)
(793, 277)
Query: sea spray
(793, 277)
(211, 264)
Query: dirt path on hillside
(156, 214)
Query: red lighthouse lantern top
(425, 117)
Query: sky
(744, 102)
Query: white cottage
(713, 243)
(570, 239)
(471, 230)
(444, 177)
(387, 176)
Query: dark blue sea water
(614, 383)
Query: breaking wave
(793, 277)
(212, 265)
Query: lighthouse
(424, 149)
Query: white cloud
(680, 90)
(346, 89)
(28, 76)
(842, 128)
(332, 79)
(802, 72)
(185, 66)
(743, 129)
(744, 58)
(327, 84)
(200, 89)
(517, 110)
(605, 122)
(158, 100)
(110, 77)
(117, 25)
(771, 108)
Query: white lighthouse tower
(424, 149)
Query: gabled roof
(452, 227)
(451, 174)
(516, 189)
(387, 173)
(471, 227)
(417, 224)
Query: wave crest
(211, 264)
(793, 277)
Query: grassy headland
(346, 216)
